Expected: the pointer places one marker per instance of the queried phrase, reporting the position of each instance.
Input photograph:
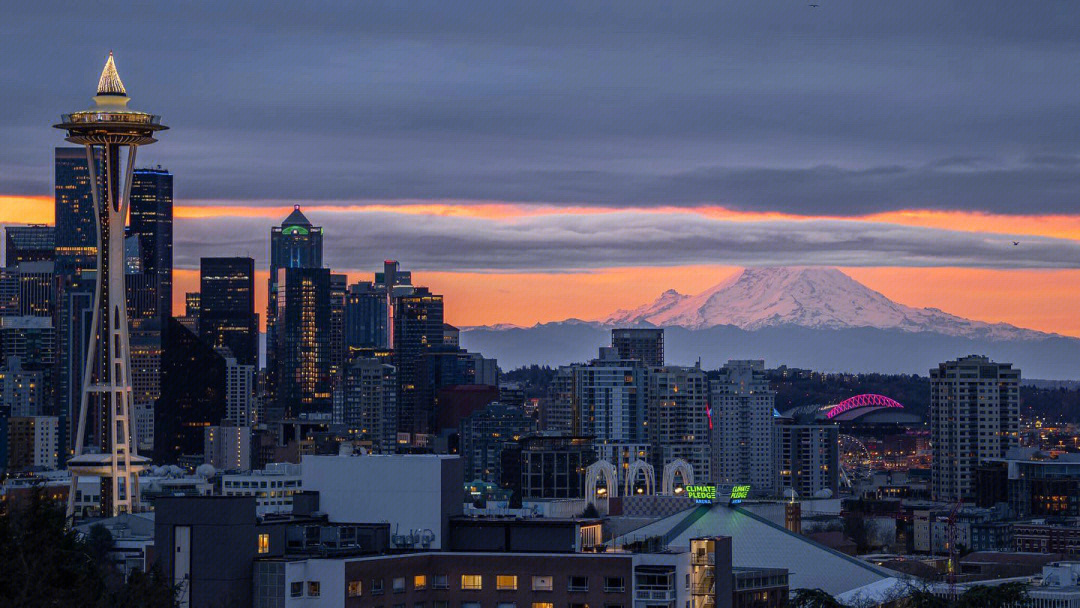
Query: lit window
(506, 582)
(313, 588)
(543, 605)
(296, 589)
(419, 582)
(354, 588)
(264, 543)
(472, 582)
(399, 584)
(543, 583)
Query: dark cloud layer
(566, 242)
(843, 109)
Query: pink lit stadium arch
(867, 400)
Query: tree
(45, 563)
(997, 596)
(812, 598)
(855, 529)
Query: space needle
(111, 133)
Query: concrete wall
(410, 492)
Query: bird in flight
(814, 5)
(1015, 243)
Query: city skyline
(874, 140)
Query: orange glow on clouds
(1038, 299)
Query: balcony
(655, 595)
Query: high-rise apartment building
(239, 392)
(742, 413)
(33, 243)
(369, 402)
(37, 288)
(485, 433)
(679, 423)
(151, 222)
(227, 448)
(807, 458)
(974, 416)
(301, 346)
(32, 443)
(22, 391)
(643, 344)
(227, 315)
(608, 398)
(339, 287)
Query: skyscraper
(974, 416)
(742, 413)
(293, 244)
(227, 307)
(301, 346)
(193, 394)
(369, 402)
(76, 234)
(645, 345)
(418, 325)
(365, 316)
(152, 224)
(33, 243)
(118, 131)
(679, 423)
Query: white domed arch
(631, 476)
(593, 473)
(677, 467)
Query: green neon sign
(702, 494)
(739, 493)
(295, 230)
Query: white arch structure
(631, 475)
(593, 473)
(680, 467)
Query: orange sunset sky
(1043, 299)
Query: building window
(578, 605)
(614, 584)
(440, 604)
(543, 605)
(472, 582)
(296, 589)
(354, 588)
(264, 543)
(578, 583)
(542, 583)
(506, 605)
(313, 589)
(419, 582)
(470, 604)
(440, 582)
(506, 582)
(377, 586)
(399, 584)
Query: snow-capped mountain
(816, 298)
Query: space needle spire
(105, 448)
